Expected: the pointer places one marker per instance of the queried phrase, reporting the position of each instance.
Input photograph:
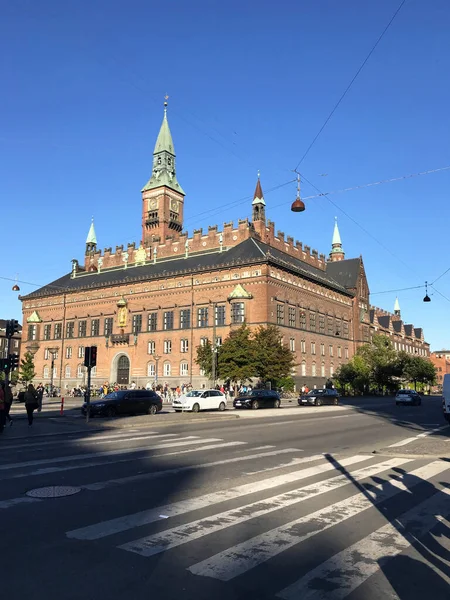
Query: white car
(406, 397)
(197, 400)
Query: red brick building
(147, 306)
(441, 360)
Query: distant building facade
(148, 306)
(441, 360)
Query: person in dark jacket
(8, 401)
(2, 406)
(31, 403)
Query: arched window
(94, 371)
(331, 370)
(67, 371)
(313, 369)
(322, 369)
(46, 372)
(184, 369)
(151, 371)
(303, 369)
(167, 369)
(80, 371)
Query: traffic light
(13, 361)
(87, 356)
(4, 364)
(12, 327)
(93, 356)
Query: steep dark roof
(248, 252)
(345, 272)
(397, 325)
(418, 332)
(384, 321)
(408, 330)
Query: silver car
(409, 397)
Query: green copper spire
(397, 310)
(91, 237)
(337, 252)
(164, 159)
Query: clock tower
(162, 196)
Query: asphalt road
(287, 503)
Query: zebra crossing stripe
(242, 557)
(154, 544)
(106, 528)
(337, 577)
(188, 440)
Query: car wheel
(255, 404)
(318, 402)
(196, 407)
(335, 402)
(277, 403)
(111, 411)
(152, 409)
(222, 406)
(177, 410)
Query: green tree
(355, 374)
(419, 370)
(27, 372)
(204, 358)
(381, 359)
(13, 377)
(236, 356)
(273, 360)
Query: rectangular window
(167, 370)
(303, 346)
(237, 312)
(81, 328)
(151, 347)
(69, 352)
(321, 324)
(302, 319)
(137, 324)
(32, 332)
(218, 341)
(185, 318)
(330, 349)
(67, 371)
(322, 370)
(168, 320)
(184, 369)
(202, 317)
(46, 354)
(107, 326)
(58, 331)
(345, 329)
(346, 352)
(220, 316)
(330, 326)
(313, 347)
(70, 329)
(95, 327)
(322, 349)
(312, 321)
(280, 314)
(152, 321)
(80, 351)
(203, 341)
(80, 371)
(291, 316)
(151, 370)
(47, 332)
(338, 324)
(339, 352)
(167, 346)
(292, 345)
(184, 345)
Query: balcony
(120, 338)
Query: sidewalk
(435, 444)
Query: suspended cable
(347, 89)
(416, 287)
(440, 276)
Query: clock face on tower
(174, 205)
(153, 203)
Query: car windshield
(194, 394)
(314, 392)
(113, 396)
(405, 392)
(254, 393)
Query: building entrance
(123, 370)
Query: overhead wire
(352, 81)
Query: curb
(130, 423)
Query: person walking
(2, 406)
(40, 395)
(31, 403)
(8, 401)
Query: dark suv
(258, 399)
(319, 397)
(125, 402)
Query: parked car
(409, 397)
(197, 400)
(125, 402)
(319, 397)
(258, 399)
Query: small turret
(258, 204)
(91, 240)
(337, 252)
(397, 311)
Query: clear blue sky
(250, 84)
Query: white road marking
(170, 538)
(88, 465)
(245, 556)
(337, 577)
(177, 508)
(416, 437)
(16, 501)
(190, 439)
(101, 485)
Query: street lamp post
(53, 352)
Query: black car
(125, 402)
(258, 399)
(319, 397)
